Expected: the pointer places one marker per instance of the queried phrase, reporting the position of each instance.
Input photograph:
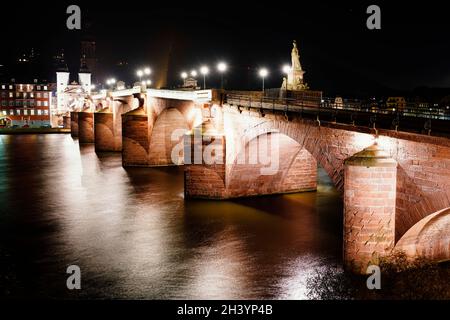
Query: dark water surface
(134, 236)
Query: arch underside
(271, 163)
(162, 141)
(429, 238)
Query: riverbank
(33, 130)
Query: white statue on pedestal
(295, 75)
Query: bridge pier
(74, 123)
(86, 127)
(135, 138)
(66, 122)
(369, 208)
(104, 132)
(204, 163)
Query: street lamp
(204, 71)
(263, 74)
(222, 67)
(111, 82)
(147, 71)
(148, 82)
(193, 73)
(140, 73)
(184, 75)
(286, 70)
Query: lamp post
(140, 73)
(222, 67)
(263, 74)
(204, 71)
(184, 75)
(193, 73)
(110, 82)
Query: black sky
(338, 52)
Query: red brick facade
(25, 105)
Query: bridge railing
(295, 105)
(408, 117)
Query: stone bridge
(395, 185)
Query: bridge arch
(169, 120)
(270, 163)
(428, 238)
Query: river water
(134, 236)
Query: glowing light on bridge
(184, 75)
(263, 73)
(204, 70)
(193, 73)
(222, 67)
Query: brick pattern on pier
(74, 123)
(104, 132)
(135, 138)
(369, 215)
(86, 127)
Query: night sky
(340, 55)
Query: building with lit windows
(25, 105)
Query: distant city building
(88, 53)
(396, 103)
(294, 80)
(190, 83)
(25, 105)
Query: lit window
(18, 112)
(31, 95)
(3, 87)
(10, 94)
(45, 103)
(38, 95)
(39, 112)
(5, 112)
(45, 95)
(25, 112)
(39, 87)
(10, 87)
(46, 112)
(24, 95)
(38, 103)
(32, 112)
(17, 94)
(11, 112)
(45, 88)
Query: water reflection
(134, 236)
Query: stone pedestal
(86, 127)
(369, 208)
(74, 123)
(135, 138)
